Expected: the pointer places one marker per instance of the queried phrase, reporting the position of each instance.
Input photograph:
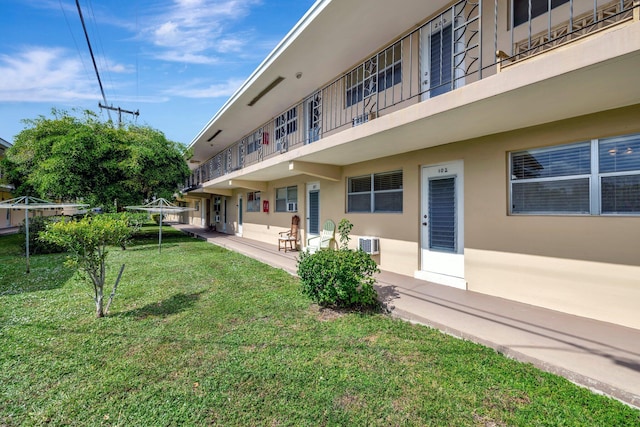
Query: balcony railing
(466, 43)
(567, 21)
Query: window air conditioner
(357, 121)
(292, 207)
(281, 145)
(370, 245)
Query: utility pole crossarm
(120, 111)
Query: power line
(95, 66)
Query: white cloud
(192, 30)
(220, 90)
(41, 74)
(186, 57)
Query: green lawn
(202, 336)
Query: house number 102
(443, 170)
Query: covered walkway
(601, 356)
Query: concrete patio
(600, 356)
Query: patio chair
(289, 239)
(325, 238)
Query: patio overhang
(294, 63)
(318, 170)
(590, 76)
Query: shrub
(156, 218)
(38, 224)
(342, 278)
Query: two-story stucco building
(8, 218)
(489, 145)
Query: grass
(202, 336)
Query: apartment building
(493, 146)
(8, 218)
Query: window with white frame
(286, 123)
(253, 201)
(287, 199)
(377, 74)
(598, 177)
(378, 192)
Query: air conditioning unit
(370, 245)
(281, 145)
(357, 121)
(292, 207)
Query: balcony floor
(598, 355)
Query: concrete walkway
(8, 230)
(598, 355)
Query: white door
(313, 209)
(239, 231)
(442, 224)
(313, 111)
(442, 59)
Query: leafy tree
(87, 241)
(66, 157)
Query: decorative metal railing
(465, 43)
(566, 22)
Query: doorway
(442, 225)
(239, 230)
(313, 209)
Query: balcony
(466, 43)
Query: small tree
(87, 241)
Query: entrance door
(313, 209)
(208, 222)
(224, 216)
(442, 225)
(239, 231)
(442, 59)
(313, 110)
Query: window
(253, 201)
(377, 74)
(538, 7)
(252, 142)
(381, 192)
(594, 177)
(285, 196)
(286, 123)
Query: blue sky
(176, 61)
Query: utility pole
(95, 67)
(120, 111)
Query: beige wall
(584, 265)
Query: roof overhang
(329, 37)
(597, 75)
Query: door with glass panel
(442, 224)
(313, 115)
(442, 60)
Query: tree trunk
(99, 304)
